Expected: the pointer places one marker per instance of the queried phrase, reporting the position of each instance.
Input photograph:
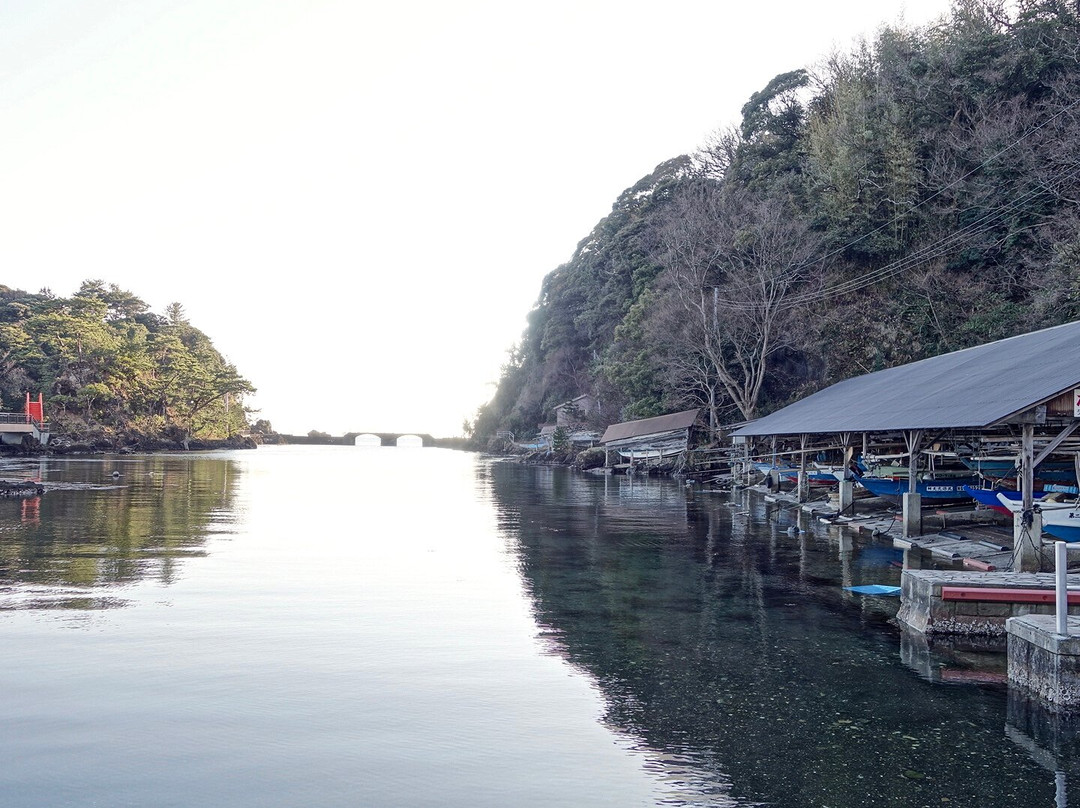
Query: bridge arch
(388, 439)
(409, 442)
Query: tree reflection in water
(104, 523)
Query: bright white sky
(357, 201)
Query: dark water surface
(328, 626)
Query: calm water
(304, 626)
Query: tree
(734, 264)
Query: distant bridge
(391, 438)
(349, 439)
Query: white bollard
(1061, 587)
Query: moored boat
(989, 497)
(1003, 467)
(946, 489)
(1060, 519)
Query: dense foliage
(914, 195)
(112, 371)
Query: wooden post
(801, 493)
(1027, 525)
(1027, 457)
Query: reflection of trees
(743, 657)
(91, 531)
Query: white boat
(1060, 519)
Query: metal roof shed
(652, 437)
(973, 388)
(649, 427)
(989, 386)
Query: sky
(357, 201)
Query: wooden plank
(995, 594)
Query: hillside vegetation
(113, 373)
(913, 195)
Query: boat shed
(651, 438)
(1018, 395)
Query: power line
(935, 249)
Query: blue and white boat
(814, 476)
(1060, 519)
(943, 489)
(989, 497)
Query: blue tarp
(874, 589)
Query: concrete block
(1045, 663)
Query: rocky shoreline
(11, 490)
(64, 446)
(590, 460)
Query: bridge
(391, 438)
(349, 439)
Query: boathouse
(1018, 397)
(649, 439)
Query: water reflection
(721, 637)
(105, 522)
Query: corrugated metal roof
(650, 426)
(975, 387)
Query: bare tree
(736, 265)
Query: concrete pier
(1044, 663)
(924, 607)
(1026, 542)
(912, 514)
(847, 496)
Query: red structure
(35, 410)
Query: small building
(577, 412)
(29, 425)
(650, 439)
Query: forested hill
(915, 194)
(113, 373)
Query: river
(338, 626)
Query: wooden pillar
(801, 493)
(1027, 470)
(1027, 525)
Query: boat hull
(1060, 519)
(1057, 471)
(947, 490)
(989, 497)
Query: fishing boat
(1060, 519)
(929, 485)
(814, 476)
(1002, 467)
(989, 497)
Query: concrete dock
(976, 539)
